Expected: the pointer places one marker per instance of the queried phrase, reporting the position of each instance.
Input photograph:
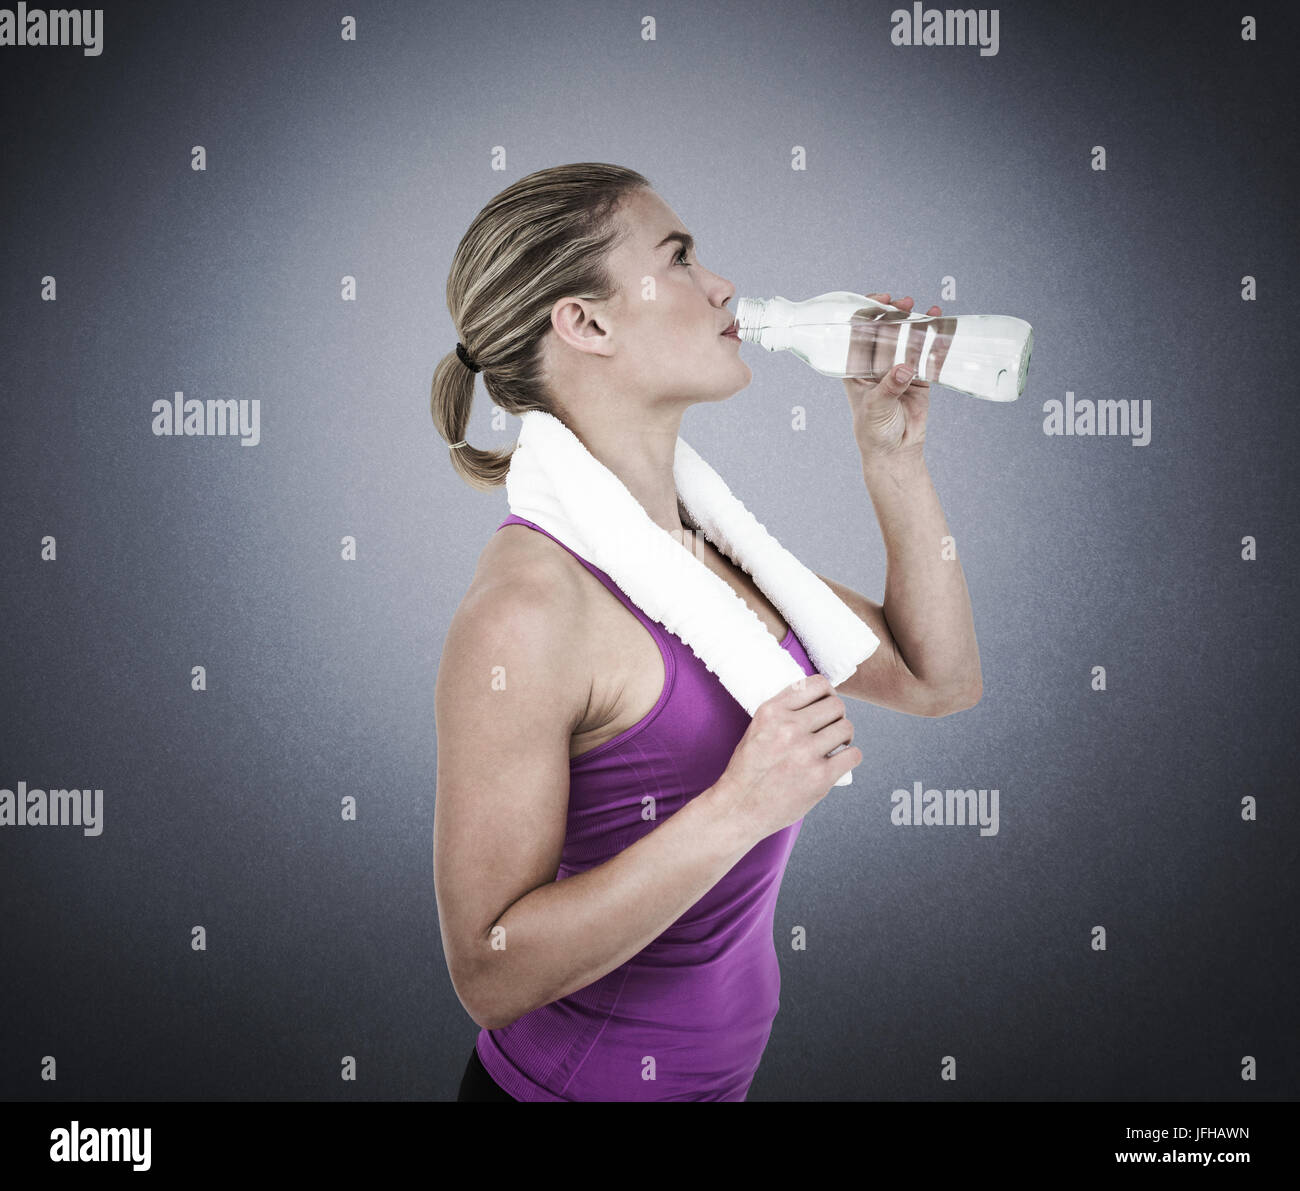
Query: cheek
(685, 322)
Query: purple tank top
(700, 999)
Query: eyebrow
(685, 239)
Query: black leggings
(477, 1084)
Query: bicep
(509, 695)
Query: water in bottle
(843, 334)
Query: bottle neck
(764, 321)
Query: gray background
(328, 158)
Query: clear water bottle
(849, 335)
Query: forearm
(926, 602)
(567, 934)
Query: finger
(844, 760)
(913, 343)
(892, 384)
(885, 351)
(836, 732)
(916, 345)
(938, 349)
(806, 690)
(824, 712)
(944, 329)
(872, 352)
(871, 342)
(912, 349)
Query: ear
(580, 325)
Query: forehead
(647, 219)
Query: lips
(731, 332)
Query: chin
(749, 375)
(731, 390)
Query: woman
(609, 952)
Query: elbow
(489, 1013)
(480, 998)
(490, 1017)
(481, 1009)
(471, 999)
(487, 1020)
(964, 694)
(951, 702)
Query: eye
(681, 256)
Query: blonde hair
(543, 238)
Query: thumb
(900, 377)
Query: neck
(638, 448)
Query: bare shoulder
(519, 564)
(526, 605)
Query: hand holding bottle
(858, 336)
(889, 414)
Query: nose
(722, 290)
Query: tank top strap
(656, 629)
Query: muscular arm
(928, 660)
(512, 686)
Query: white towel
(557, 483)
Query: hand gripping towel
(557, 483)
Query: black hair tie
(464, 357)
